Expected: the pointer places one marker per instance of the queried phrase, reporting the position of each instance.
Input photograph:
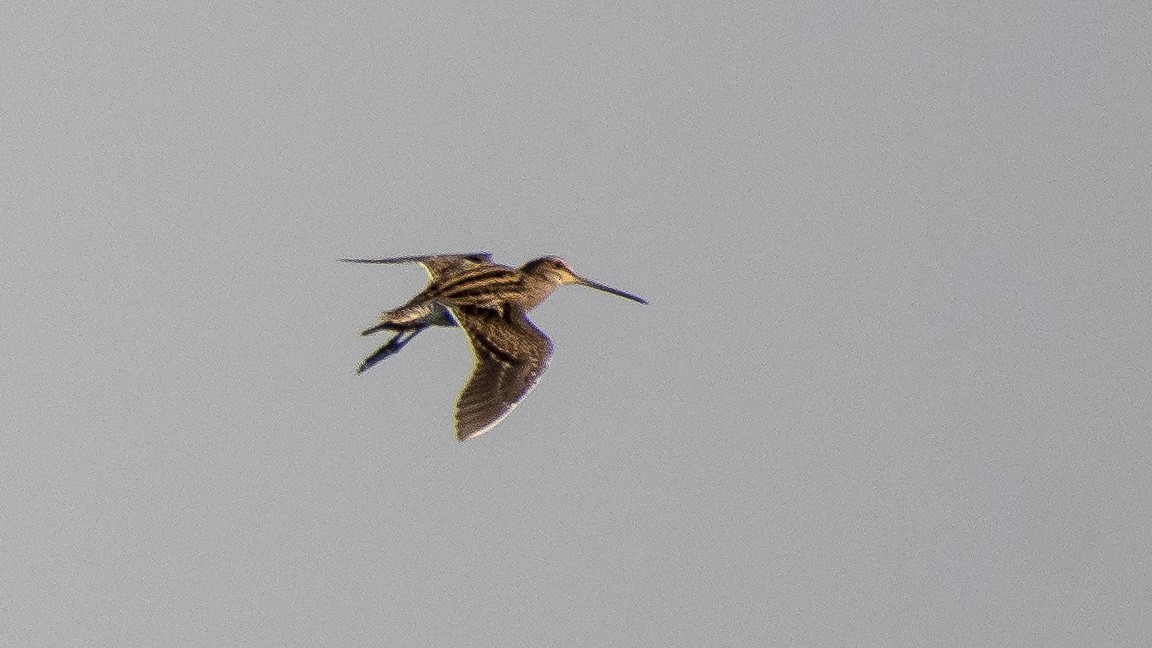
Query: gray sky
(892, 388)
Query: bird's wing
(510, 352)
(437, 265)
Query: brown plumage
(490, 302)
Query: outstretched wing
(510, 352)
(437, 265)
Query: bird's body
(490, 302)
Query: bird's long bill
(608, 289)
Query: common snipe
(490, 302)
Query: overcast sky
(892, 389)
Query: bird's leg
(383, 326)
(393, 346)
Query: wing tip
(471, 432)
(419, 258)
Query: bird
(490, 303)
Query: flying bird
(490, 302)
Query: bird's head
(556, 271)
